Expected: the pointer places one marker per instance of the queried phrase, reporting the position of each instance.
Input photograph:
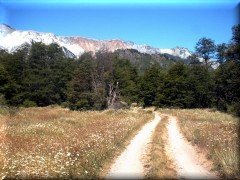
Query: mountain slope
(11, 39)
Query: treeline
(41, 75)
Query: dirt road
(189, 164)
(130, 164)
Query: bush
(65, 104)
(234, 109)
(2, 100)
(81, 104)
(29, 103)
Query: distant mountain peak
(5, 26)
(5, 29)
(11, 39)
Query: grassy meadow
(215, 133)
(52, 142)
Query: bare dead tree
(113, 95)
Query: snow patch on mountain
(11, 39)
(178, 51)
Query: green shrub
(65, 104)
(29, 103)
(2, 100)
(234, 108)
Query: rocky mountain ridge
(11, 39)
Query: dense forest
(42, 75)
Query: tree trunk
(112, 95)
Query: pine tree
(150, 82)
(126, 76)
(227, 77)
(201, 85)
(80, 92)
(177, 87)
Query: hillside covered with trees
(41, 75)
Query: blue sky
(163, 24)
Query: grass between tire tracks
(161, 166)
(53, 142)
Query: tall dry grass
(214, 132)
(3, 146)
(53, 142)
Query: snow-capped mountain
(11, 39)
